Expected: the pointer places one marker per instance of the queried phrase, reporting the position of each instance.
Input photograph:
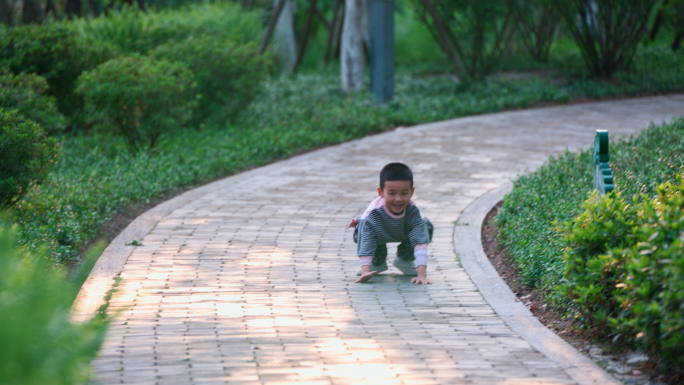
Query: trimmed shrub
(56, 52)
(26, 155)
(139, 98)
(228, 75)
(27, 94)
(625, 270)
(39, 344)
(594, 261)
(652, 294)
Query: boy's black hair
(395, 171)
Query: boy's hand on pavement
(422, 276)
(418, 280)
(366, 276)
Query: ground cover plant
(615, 256)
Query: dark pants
(404, 250)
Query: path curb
(468, 248)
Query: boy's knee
(405, 251)
(380, 255)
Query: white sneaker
(379, 268)
(406, 267)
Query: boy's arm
(419, 233)
(366, 243)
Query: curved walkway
(249, 280)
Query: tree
(285, 35)
(351, 56)
(537, 22)
(4, 12)
(73, 8)
(472, 33)
(606, 31)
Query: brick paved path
(253, 281)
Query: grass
(555, 193)
(96, 177)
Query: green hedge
(133, 31)
(624, 270)
(139, 98)
(652, 293)
(26, 155)
(27, 93)
(56, 52)
(228, 75)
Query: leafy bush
(594, 257)
(624, 270)
(27, 94)
(133, 31)
(228, 75)
(56, 52)
(26, 155)
(138, 98)
(39, 344)
(652, 293)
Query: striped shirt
(378, 226)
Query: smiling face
(397, 194)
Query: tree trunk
(32, 12)
(305, 36)
(332, 30)
(351, 55)
(444, 40)
(365, 23)
(285, 36)
(94, 8)
(73, 8)
(51, 7)
(4, 12)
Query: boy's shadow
(389, 278)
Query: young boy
(393, 217)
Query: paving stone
(252, 281)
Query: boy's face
(396, 194)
